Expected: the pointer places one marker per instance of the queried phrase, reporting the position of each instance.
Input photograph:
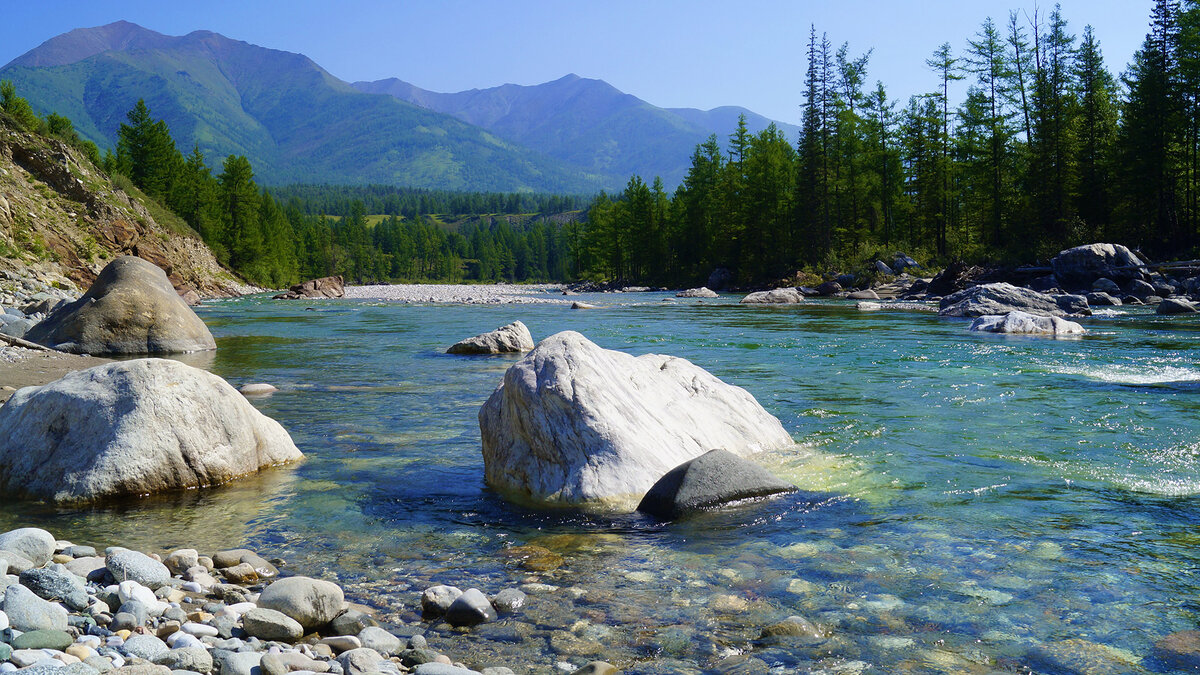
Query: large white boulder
(1002, 298)
(1080, 267)
(133, 428)
(1026, 324)
(574, 424)
(778, 296)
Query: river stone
(1179, 650)
(597, 668)
(27, 611)
(702, 292)
(361, 661)
(182, 560)
(1077, 655)
(311, 602)
(230, 557)
(325, 287)
(866, 294)
(374, 637)
(194, 659)
(34, 544)
(508, 601)
(146, 647)
(15, 562)
(778, 296)
(1175, 306)
(435, 668)
(998, 298)
(1141, 289)
(56, 583)
(257, 389)
(43, 639)
(1106, 285)
(573, 423)
(435, 600)
(236, 663)
(513, 338)
(132, 308)
(714, 478)
(286, 662)
(132, 428)
(470, 608)
(268, 624)
(1079, 267)
(127, 565)
(1102, 299)
(351, 622)
(1017, 322)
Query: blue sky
(672, 53)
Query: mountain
(291, 118)
(586, 122)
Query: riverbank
(22, 367)
(461, 294)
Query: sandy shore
(20, 367)
(462, 294)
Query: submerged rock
(714, 478)
(1175, 306)
(999, 298)
(1026, 324)
(778, 296)
(133, 428)
(132, 308)
(572, 423)
(510, 339)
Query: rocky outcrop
(778, 296)
(1021, 323)
(66, 220)
(133, 428)
(1078, 268)
(131, 309)
(325, 287)
(1000, 298)
(574, 424)
(702, 292)
(511, 339)
(717, 477)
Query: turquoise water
(969, 501)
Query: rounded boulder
(311, 602)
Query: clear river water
(970, 503)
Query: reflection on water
(970, 503)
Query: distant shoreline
(462, 294)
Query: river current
(970, 503)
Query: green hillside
(291, 118)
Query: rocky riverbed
(459, 294)
(69, 608)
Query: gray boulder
(1141, 290)
(714, 478)
(133, 428)
(1106, 285)
(1102, 299)
(146, 647)
(510, 339)
(27, 611)
(325, 287)
(269, 624)
(34, 544)
(572, 423)
(192, 659)
(883, 268)
(1020, 323)
(311, 602)
(702, 292)
(374, 637)
(132, 308)
(435, 600)
(1078, 268)
(470, 608)
(1175, 306)
(56, 583)
(126, 565)
(998, 298)
(228, 662)
(363, 661)
(778, 296)
(866, 294)
(829, 288)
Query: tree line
(1046, 150)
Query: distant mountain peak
(83, 43)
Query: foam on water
(1131, 374)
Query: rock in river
(714, 478)
(513, 338)
(133, 428)
(35, 544)
(779, 296)
(1175, 306)
(132, 308)
(702, 292)
(311, 602)
(1078, 268)
(574, 424)
(325, 287)
(1016, 322)
(999, 298)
